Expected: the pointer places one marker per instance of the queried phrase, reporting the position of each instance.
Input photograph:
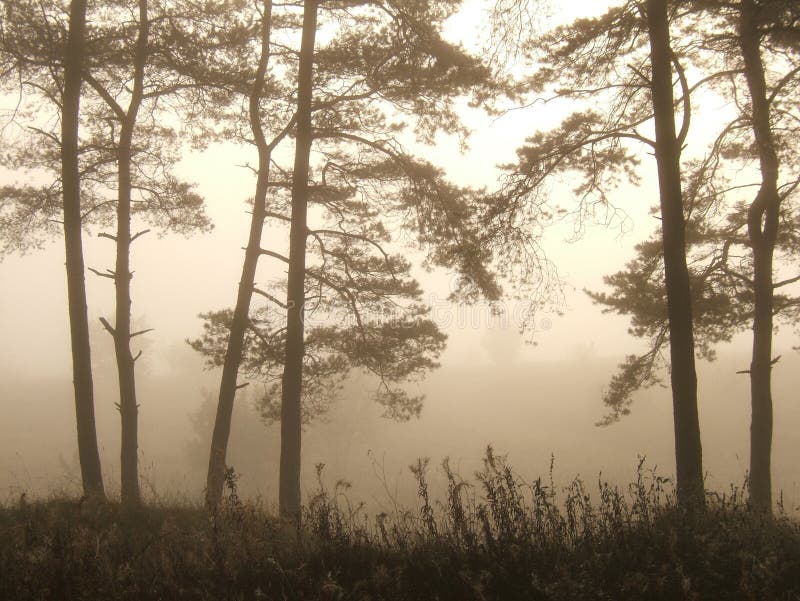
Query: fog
(529, 410)
(532, 396)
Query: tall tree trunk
(88, 454)
(128, 407)
(241, 313)
(291, 418)
(688, 450)
(762, 230)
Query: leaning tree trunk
(688, 450)
(128, 406)
(241, 313)
(76, 286)
(291, 418)
(762, 230)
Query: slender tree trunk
(688, 450)
(241, 313)
(762, 230)
(128, 406)
(88, 454)
(291, 412)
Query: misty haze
(399, 300)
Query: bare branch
(687, 101)
(110, 275)
(139, 234)
(140, 332)
(103, 93)
(270, 297)
(786, 282)
(108, 327)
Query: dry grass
(497, 537)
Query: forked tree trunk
(688, 450)
(128, 406)
(291, 412)
(241, 313)
(762, 230)
(88, 454)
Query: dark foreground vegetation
(495, 538)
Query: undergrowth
(495, 537)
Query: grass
(497, 537)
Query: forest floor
(495, 538)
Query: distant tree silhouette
(688, 450)
(254, 88)
(74, 52)
(732, 256)
(127, 156)
(121, 275)
(383, 68)
(763, 224)
(292, 380)
(409, 66)
(133, 69)
(623, 61)
(57, 77)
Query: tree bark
(762, 230)
(688, 450)
(88, 454)
(241, 313)
(128, 406)
(291, 412)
